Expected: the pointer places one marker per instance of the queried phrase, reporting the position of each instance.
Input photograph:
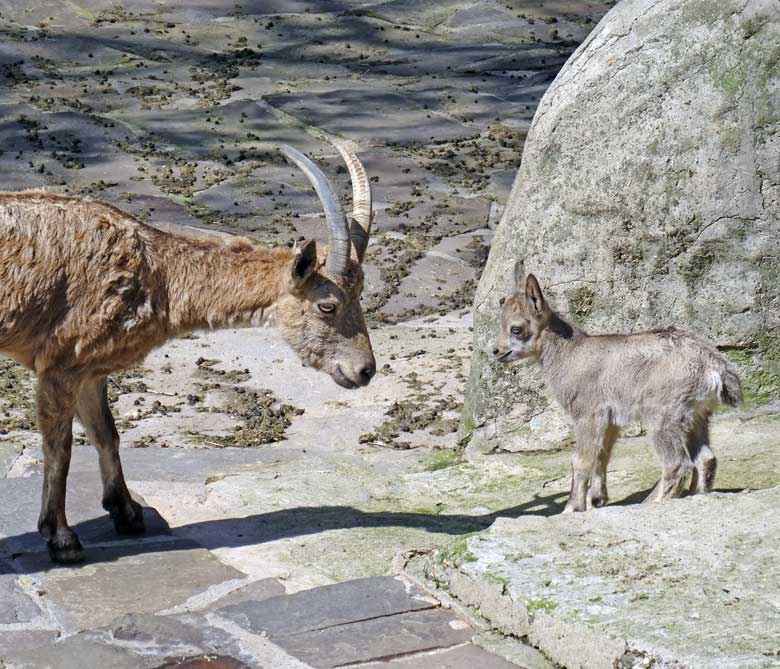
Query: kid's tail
(731, 390)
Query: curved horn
(338, 248)
(362, 215)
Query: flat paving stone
(379, 638)
(462, 657)
(15, 643)
(195, 133)
(20, 500)
(328, 606)
(134, 578)
(16, 606)
(362, 114)
(138, 641)
(256, 591)
(433, 278)
(171, 464)
(9, 451)
(153, 208)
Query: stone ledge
(688, 583)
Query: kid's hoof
(598, 501)
(571, 508)
(130, 523)
(65, 548)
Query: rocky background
(649, 196)
(174, 111)
(279, 506)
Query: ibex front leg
(94, 414)
(590, 438)
(55, 421)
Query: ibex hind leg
(705, 464)
(670, 441)
(94, 414)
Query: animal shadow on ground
(264, 527)
(282, 524)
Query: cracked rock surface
(630, 587)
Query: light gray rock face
(649, 195)
(683, 584)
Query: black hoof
(131, 521)
(65, 548)
(598, 502)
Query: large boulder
(649, 195)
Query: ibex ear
(304, 262)
(519, 275)
(533, 296)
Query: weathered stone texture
(649, 195)
(687, 583)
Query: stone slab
(173, 464)
(16, 606)
(257, 591)
(20, 500)
(462, 657)
(513, 650)
(131, 578)
(361, 114)
(19, 642)
(327, 606)
(692, 581)
(9, 451)
(195, 134)
(138, 641)
(379, 638)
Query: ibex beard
(668, 379)
(87, 290)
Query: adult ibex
(668, 378)
(86, 290)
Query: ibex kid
(668, 378)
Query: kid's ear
(533, 296)
(304, 262)
(519, 275)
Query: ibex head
(320, 316)
(525, 316)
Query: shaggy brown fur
(86, 290)
(668, 378)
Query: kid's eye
(516, 331)
(327, 307)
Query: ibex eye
(327, 307)
(516, 331)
